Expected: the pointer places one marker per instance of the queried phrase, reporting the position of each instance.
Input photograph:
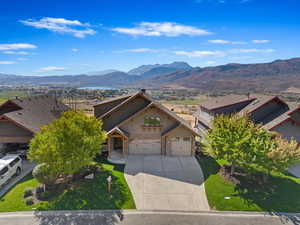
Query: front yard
(281, 194)
(88, 194)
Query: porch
(117, 146)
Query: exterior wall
(103, 108)
(268, 112)
(179, 132)
(205, 114)
(124, 112)
(296, 116)
(11, 133)
(135, 127)
(289, 130)
(232, 108)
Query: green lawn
(281, 194)
(88, 195)
(184, 102)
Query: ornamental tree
(67, 144)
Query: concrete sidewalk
(166, 183)
(133, 217)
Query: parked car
(10, 165)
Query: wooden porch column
(109, 146)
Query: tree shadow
(208, 165)
(79, 217)
(90, 194)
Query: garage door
(146, 147)
(181, 146)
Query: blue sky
(72, 37)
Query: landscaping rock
(89, 177)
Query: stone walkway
(166, 183)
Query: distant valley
(276, 76)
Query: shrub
(39, 189)
(44, 195)
(29, 201)
(43, 174)
(28, 192)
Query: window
(151, 121)
(3, 171)
(14, 162)
(187, 139)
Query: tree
(67, 144)
(240, 142)
(284, 154)
(43, 174)
(237, 140)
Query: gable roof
(259, 103)
(285, 117)
(225, 101)
(152, 103)
(123, 97)
(34, 112)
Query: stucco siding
(289, 130)
(124, 112)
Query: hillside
(275, 76)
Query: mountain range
(278, 75)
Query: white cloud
(15, 53)
(252, 50)
(260, 41)
(137, 50)
(219, 41)
(74, 49)
(200, 54)
(169, 29)
(22, 59)
(7, 62)
(211, 62)
(49, 69)
(17, 46)
(61, 25)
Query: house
(137, 124)
(21, 118)
(220, 105)
(270, 111)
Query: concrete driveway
(166, 183)
(295, 170)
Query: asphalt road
(145, 218)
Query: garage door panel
(146, 147)
(181, 146)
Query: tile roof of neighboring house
(35, 111)
(223, 101)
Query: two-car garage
(175, 146)
(145, 146)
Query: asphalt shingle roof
(36, 111)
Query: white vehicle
(10, 165)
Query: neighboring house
(21, 118)
(272, 112)
(136, 124)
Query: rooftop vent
(143, 90)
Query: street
(133, 217)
